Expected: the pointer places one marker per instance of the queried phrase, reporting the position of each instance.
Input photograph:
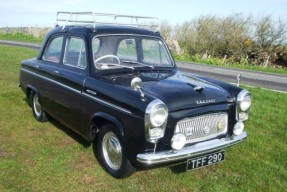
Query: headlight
(243, 104)
(244, 100)
(155, 120)
(158, 115)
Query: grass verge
(48, 157)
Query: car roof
(101, 29)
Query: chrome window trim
(136, 35)
(75, 66)
(47, 47)
(65, 51)
(81, 93)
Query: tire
(109, 151)
(37, 109)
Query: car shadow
(69, 132)
(179, 168)
(65, 129)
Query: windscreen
(129, 51)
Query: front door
(70, 77)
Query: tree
(269, 36)
(261, 41)
(166, 30)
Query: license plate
(205, 160)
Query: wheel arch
(29, 90)
(101, 118)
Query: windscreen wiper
(117, 65)
(135, 62)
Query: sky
(22, 13)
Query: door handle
(91, 92)
(37, 66)
(57, 72)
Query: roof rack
(104, 18)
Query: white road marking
(255, 74)
(262, 88)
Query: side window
(127, 49)
(54, 50)
(96, 45)
(75, 53)
(154, 52)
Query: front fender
(101, 117)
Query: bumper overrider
(190, 151)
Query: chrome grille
(203, 127)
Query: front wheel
(37, 109)
(110, 153)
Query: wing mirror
(136, 84)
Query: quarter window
(75, 53)
(54, 50)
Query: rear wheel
(37, 109)
(110, 153)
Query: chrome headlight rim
(243, 104)
(152, 108)
(158, 115)
(244, 100)
(154, 121)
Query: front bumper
(191, 151)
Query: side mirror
(136, 84)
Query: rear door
(45, 69)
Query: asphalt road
(252, 78)
(21, 44)
(248, 77)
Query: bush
(242, 39)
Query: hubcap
(37, 105)
(112, 150)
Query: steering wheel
(108, 56)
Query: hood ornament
(198, 88)
(238, 79)
(136, 84)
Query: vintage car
(118, 86)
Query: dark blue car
(119, 88)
